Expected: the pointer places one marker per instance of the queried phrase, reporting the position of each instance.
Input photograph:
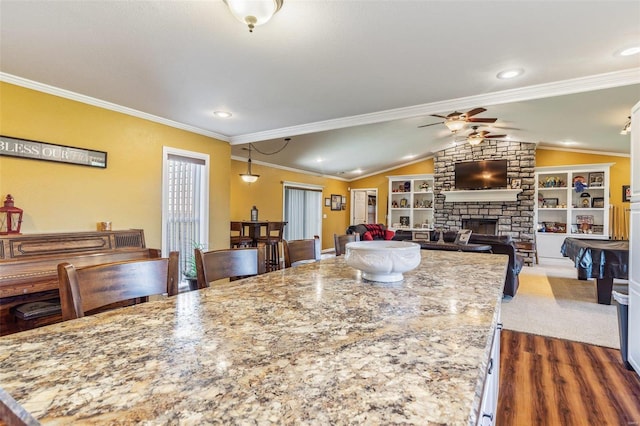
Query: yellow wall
(59, 197)
(381, 182)
(620, 174)
(268, 196)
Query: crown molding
(557, 88)
(583, 151)
(40, 87)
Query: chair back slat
(93, 287)
(340, 241)
(231, 263)
(299, 250)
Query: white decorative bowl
(383, 261)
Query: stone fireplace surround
(514, 218)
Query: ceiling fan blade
(475, 111)
(439, 116)
(490, 136)
(432, 124)
(482, 120)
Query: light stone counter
(313, 344)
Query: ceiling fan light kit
(456, 121)
(455, 124)
(253, 12)
(475, 139)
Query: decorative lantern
(10, 217)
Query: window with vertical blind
(302, 212)
(185, 216)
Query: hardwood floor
(547, 381)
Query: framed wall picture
(404, 221)
(327, 202)
(626, 193)
(336, 202)
(596, 179)
(597, 202)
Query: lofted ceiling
(348, 81)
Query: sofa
(500, 244)
(371, 231)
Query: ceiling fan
(457, 120)
(476, 137)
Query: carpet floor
(551, 302)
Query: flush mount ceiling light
(507, 74)
(222, 114)
(249, 177)
(253, 12)
(626, 129)
(629, 51)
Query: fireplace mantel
(481, 195)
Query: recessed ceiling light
(507, 74)
(409, 157)
(358, 171)
(222, 114)
(569, 143)
(633, 50)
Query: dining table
(253, 229)
(311, 344)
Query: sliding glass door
(302, 212)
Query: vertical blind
(303, 213)
(184, 206)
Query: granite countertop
(313, 344)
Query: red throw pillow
(388, 234)
(367, 236)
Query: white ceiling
(347, 81)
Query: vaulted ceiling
(349, 82)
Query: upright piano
(28, 266)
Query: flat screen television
(485, 174)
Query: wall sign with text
(24, 148)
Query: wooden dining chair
(238, 238)
(237, 263)
(91, 288)
(301, 250)
(272, 240)
(340, 241)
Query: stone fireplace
(513, 218)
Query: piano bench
(36, 314)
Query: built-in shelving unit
(410, 203)
(572, 201)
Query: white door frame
(204, 213)
(366, 190)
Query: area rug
(549, 303)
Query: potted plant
(189, 271)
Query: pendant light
(249, 177)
